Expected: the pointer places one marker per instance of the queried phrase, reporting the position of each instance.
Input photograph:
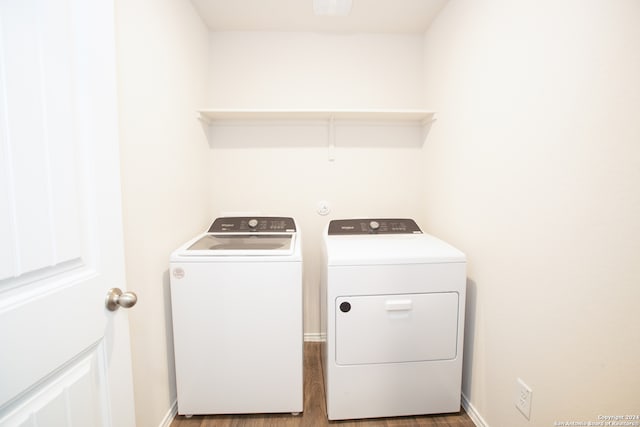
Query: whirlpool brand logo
(347, 227)
(178, 273)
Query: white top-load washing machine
(393, 303)
(236, 299)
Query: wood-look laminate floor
(315, 410)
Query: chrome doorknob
(116, 299)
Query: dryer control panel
(373, 226)
(248, 224)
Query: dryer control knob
(253, 223)
(374, 225)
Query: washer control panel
(373, 226)
(248, 224)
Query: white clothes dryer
(236, 297)
(393, 303)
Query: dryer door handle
(399, 305)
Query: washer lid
(245, 236)
(244, 244)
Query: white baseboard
(314, 337)
(473, 413)
(171, 414)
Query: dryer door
(396, 328)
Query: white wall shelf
(410, 116)
(406, 117)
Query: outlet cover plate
(523, 398)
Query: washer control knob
(253, 223)
(374, 225)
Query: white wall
(315, 70)
(162, 72)
(283, 168)
(533, 169)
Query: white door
(64, 358)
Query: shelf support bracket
(426, 127)
(332, 139)
(204, 119)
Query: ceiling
(367, 16)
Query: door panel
(67, 398)
(396, 328)
(65, 359)
(36, 120)
(40, 140)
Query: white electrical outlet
(523, 398)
